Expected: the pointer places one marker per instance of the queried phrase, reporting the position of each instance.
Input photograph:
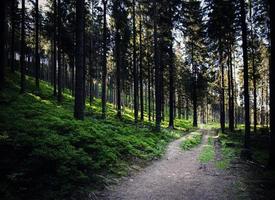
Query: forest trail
(179, 175)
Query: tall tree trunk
(59, 72)
(2, 42)
(54, 50)
(135, 74)
(245, 76)
(79, 85)
(73, 64)
(104, 59)
(230, 91)
(271, 86)
(195, 107)
(254, 70)
(187, 109)
(158, 98)
(222, 109)
(37, 57)
(231, 114)
(149, 90)
(118, 81)
(12, 53)
(141, 70)
(171, 84)
(22, 56)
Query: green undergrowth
(230, 149)
(47, 154)
(192, 140)
(208, 153)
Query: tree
(2, 42)
(194, 30)
(22, 53)
(157, 69)
(79, 85)
(271, 86)
(135, 73)
(59, 72)
(104, 58)
(13, 15)
(171, 69)
(245, 76)
(54, 48)
(221, 21)
(141, 67)
(37, 58)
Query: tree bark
(141, 70)
(22, 56)
(54, 50)
(171, 85)
(195, 112)
(158, 98)
(245, 76)
(79, 85)
(12, 53)
(135, 74)
(59, 71)
(37, 57)
(271, 87)
(254, 70)
(118, 82)
(2, 43)
(104, 59)
(222, 114)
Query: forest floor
(188, 175)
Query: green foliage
(191, 141)
(207, 154)
(46, 154)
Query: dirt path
(178, 175)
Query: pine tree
(79, 85)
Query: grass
(207, 154)
(47, 154)
(191, 141)
(228, 152)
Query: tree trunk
(254, 70)
(79, 86)
(271, 86)
(54, 50)
(158, 98)
(141, 71)
(2, 43)
(171, 85)
(104, 59)
(222, 114)
(12, 53)
(245, 76)
(230, 92)
(118, 61)
(149, 91)
(135, 75)
(59, 72)
(195, 112)
(22, 56)
(37, 57)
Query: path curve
(177, 176)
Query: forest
(136, 99)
